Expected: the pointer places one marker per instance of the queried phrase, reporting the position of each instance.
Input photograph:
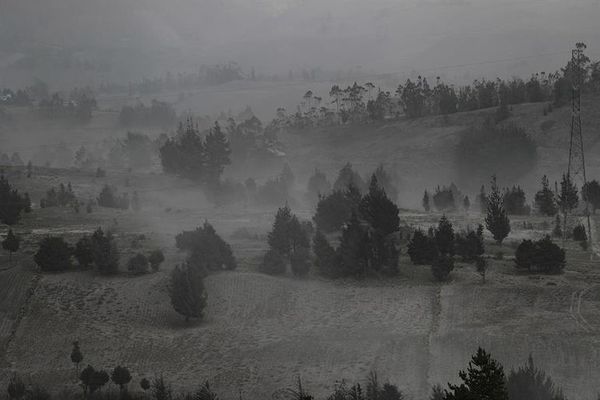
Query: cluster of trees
(206, 250)
(79, 106)
(369, 240)
(98, 250)
(336, 203)
(14, 160)
(108, 198)
(541, 256)
(289, 243)
(191, 156)
(140, 263)
(12, 203)
(158, 114)
(438, 247)
(417, 98)
(484, 378)
(20, 97)
(61, 197)
(446, 199)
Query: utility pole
(576, 169)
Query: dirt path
(436, 311)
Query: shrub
(273, 263)
(138, 264)
(442, 267)
(108, 198)
(579, 233)
(155, 259)
(54, 254)
(540, 256)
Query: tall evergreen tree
(496, 221)
(568, 199)
(378, 210)
(590, 192)
(354, 249)
(217, 154)
(544, 199)
(444, 237)
(483, 379)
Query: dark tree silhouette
(483, 379)
(84, 251)
(496, 221)
(11, 243)
(54, 254)
(187, 293)
(544, 199)
(121, 377)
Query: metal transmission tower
(576, 169)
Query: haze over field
(148, 37)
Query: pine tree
(496, 221)
(354, 248)
(278, 239)
(378, 210)
(187, 293)
(444, 237)
(483, 379)
(544, 199)
(422, 249)
(325, 256)
(530, 382)
(105, 252)
(217, 154)
(591, 193)
(567, 199)
(11, 243)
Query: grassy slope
(260, 332)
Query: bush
(138, 264)
(187, 293)
(108, 198)
(155, 259)
(541, 256)
(273, 263)
(442, 267)
(54, 254)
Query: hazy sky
(275, 35)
